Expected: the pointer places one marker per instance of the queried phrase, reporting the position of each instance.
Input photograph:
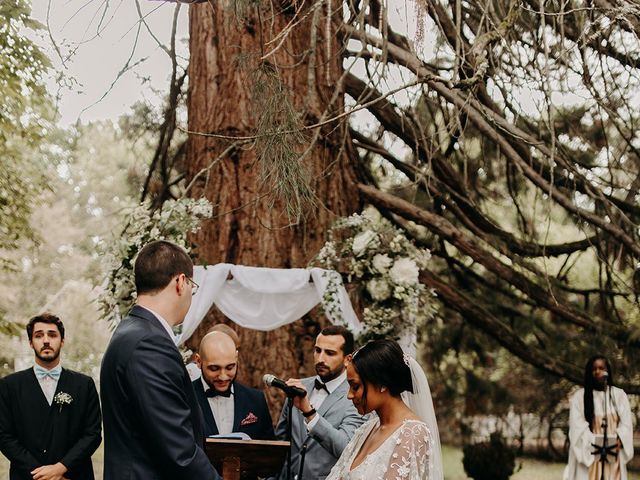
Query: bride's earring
(383, 389)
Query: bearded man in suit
(152, 421)
(227, 405)
(49, 415)
(324, 420)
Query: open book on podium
(235, 458)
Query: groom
(49, 416)
(152, 421)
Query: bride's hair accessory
(406, 359)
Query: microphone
(605, 377)
(274, 381)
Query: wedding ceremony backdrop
(470, 170)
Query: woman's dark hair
(590, 385)
(382, 363)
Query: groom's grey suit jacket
(338, 421)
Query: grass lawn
(453, 470)
(531, 469)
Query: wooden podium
(246, 459)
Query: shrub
(492, 460)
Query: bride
(401, 440)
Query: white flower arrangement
(385, 265)
(172, 222)
(61, 399)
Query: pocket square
(249, 419)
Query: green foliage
(22, 66)
(97, 176)
(492, 460)
(172, 222)
(24, 122)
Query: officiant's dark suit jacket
(34, 433)
(250, 412)
(152, 420)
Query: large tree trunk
(247, 228)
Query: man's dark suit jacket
(34, 433)
(152, 420)
(250, 412)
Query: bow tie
(42, 373)
(212, 393)
(318, 385)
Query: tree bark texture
(248, 227)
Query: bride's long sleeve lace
(405, 455)
(410, 457)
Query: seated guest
(227, 405)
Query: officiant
(227, 405)
(593, 407)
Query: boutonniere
(249, 419)
(62, 398)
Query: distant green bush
(492, 460)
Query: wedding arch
(267, 298)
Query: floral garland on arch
(172, 222)
(385, 265)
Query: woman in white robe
(398, 442)
(586, 414)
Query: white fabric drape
(267, 298)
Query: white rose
(381, 262)
(378, 289)
(361, 241)
(405, 271)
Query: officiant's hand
(50, 472)
(301, 403)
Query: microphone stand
(289, 430)
(604, 450)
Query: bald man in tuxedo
(227, 405)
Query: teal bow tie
(42, 373)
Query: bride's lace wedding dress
(404, 455)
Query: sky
(97, 45)
(97, 42)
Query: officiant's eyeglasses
(194, 285)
